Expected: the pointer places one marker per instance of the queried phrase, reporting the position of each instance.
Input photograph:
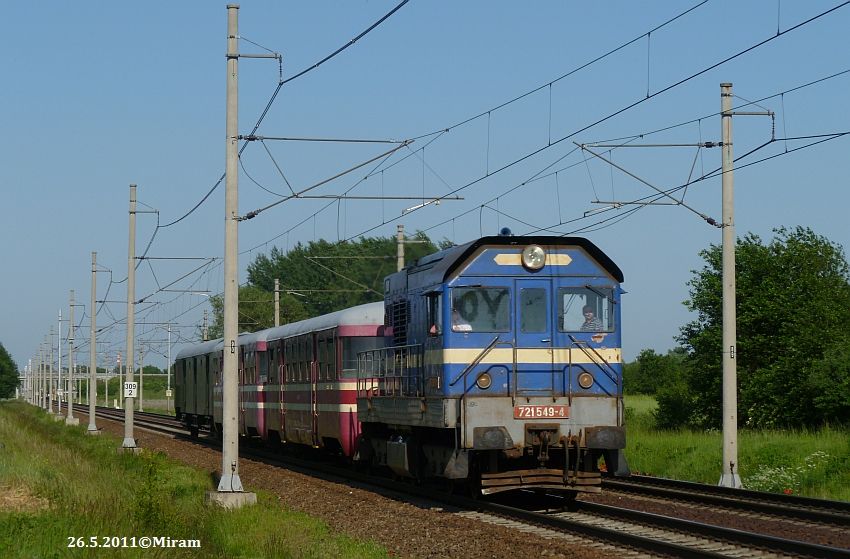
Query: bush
(675, 405)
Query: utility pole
(129, 443)
(118, 364)
(50, 391)
(106, 378)
(276, 302)
(141, 378)
(70, 419)
(230, 492)
(41, 402)
(168, 370)
(204, 333)
(92, 429)
(59, 351)
(729, 477)
(399, 251)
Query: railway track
(812, 510)
(624, 532)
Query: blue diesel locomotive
(502, 367)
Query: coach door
(533, 316)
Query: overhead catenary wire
(265, 111)
(630, 106)
(689, 181)
(565, 75)
(273, 97)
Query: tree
(829, 382)
(256, 310)
(317, 278)
(8, 374)
(793, 295)
(650, 371)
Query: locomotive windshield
(585, 309)
(481, 309)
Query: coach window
(332, 343)
(264, 365)
(574, 302)
(325, 356)
(288, 359)
(351, 346)
(481, 309)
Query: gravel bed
(408, 529)
(405, 529)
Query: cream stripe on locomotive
(560, 355)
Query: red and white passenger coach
(297, 382)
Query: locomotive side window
(481, 309)
(533, 310)
(435, 325)
(585, 309)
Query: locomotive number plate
(536, 412)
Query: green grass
(75, 485)
(812, 463)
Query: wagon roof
(370, 313)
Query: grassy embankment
(806, 462)
(56, 482)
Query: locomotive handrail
(584, 347)
(380, 372)
(476, 361)
(616, 378)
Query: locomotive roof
(369, 313)
(444, 262)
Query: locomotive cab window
(480, 309)
(585, 309)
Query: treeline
(317, 278)
(8, 374)
(793, 328)
(793, 339)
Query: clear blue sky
(97, 95)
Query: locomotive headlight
(483, 381)
(533, 257)
(585, 380)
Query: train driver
(591, 321)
